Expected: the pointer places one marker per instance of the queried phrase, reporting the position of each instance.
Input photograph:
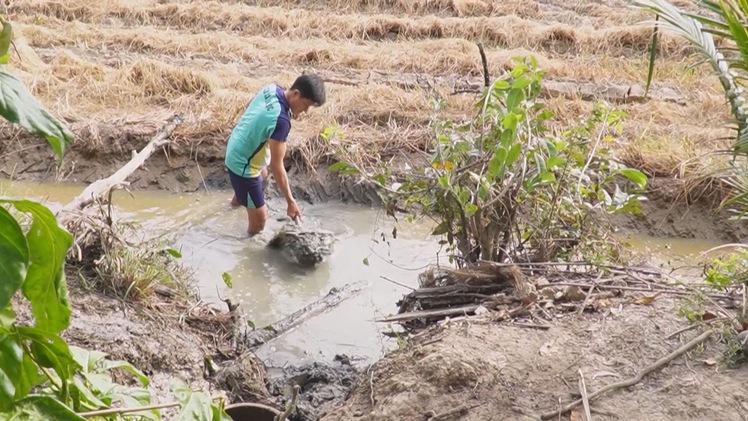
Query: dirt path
(488, 371)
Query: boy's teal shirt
(267, 116)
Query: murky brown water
(211, 236)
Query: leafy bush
(509, 185)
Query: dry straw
(113, 79)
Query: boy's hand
(293, 211)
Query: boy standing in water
(258, 142)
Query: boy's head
(307, 90)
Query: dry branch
(468, 309)
(636, 379)
(258, 337)
(101, 187)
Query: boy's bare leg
(256, 219)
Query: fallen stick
(636, 379)
(431, 313)
(625, 288)
(100, 187)
(258, 337)
(585, 398)
(119, 411)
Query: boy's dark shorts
(248, 191)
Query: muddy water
(211, 236)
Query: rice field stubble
(114, 70)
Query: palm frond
(692, 29)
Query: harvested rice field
(115, 70)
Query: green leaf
(5, 59)
(501, 85)
(6, 38)
(130, 401)
(45, 285)
(19, 106)
(37, 408)
(513, 154)
(29, 377)
(339, 166)
(124, 365)
(14, 257)
(86, 359)
(514, 98)
(652, 56)
(496, 165)
(219, 414)
(555, 161)
(522, 82)
(470, 209)
(11, 358)
(174, 253)
(50, 351)
(7, 317)
(227, 279)
(195, 406)
(88, 394)
(441, 229)
(636, 176)
(547, 177)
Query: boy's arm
(277, 153)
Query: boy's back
(266, 116)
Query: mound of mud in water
(302, 246)
(322, 385)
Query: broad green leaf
(45, 285)
(19, 106)
(555, 161)
(496, 165)
(195, 406)
(87, 359)
(441, 229)
(547, 177)
(124, 365)
(635, 175)
(470, 209)
(501, 85)
(11, 358)
(132, 402)
(38, 408)
(522, 82)
(7, 317)
(88, 395)
(513, 154)
(50, 351)
(514, 98)
(219, 414)
(14, 257)
(29, 377)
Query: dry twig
(636, 379)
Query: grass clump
(135, 273)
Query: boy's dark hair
(311, 87)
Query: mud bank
(475, 370)
(671, 210)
